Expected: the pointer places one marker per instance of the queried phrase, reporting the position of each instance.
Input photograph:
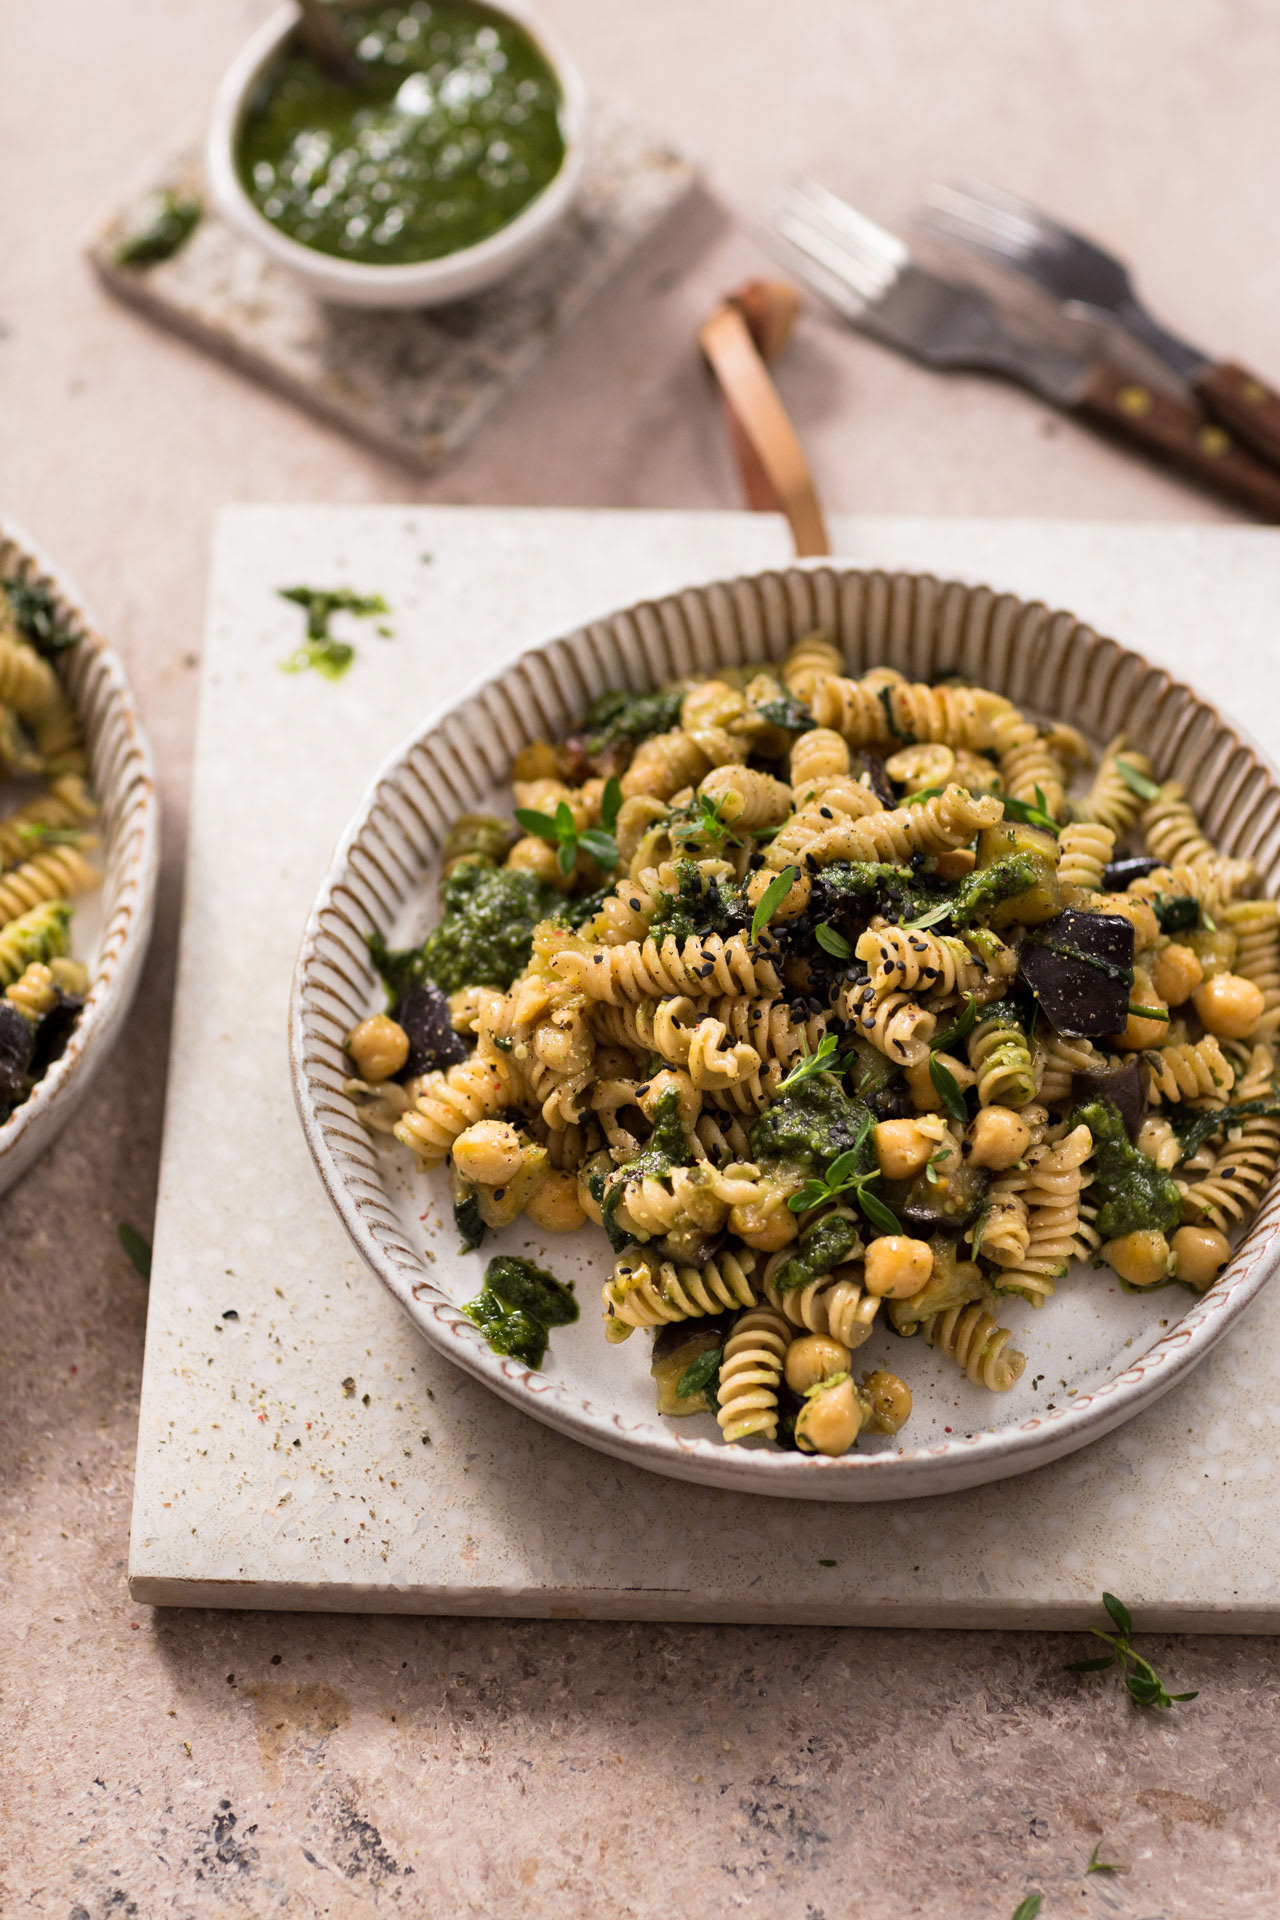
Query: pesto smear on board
(453, 132)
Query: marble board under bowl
(299, 1445)
(417, 384)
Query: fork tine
(880, 249)
(828, 266)
(1002, 221)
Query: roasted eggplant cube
(433, 1039)
(1125, 1087)
(17, 1046)
(1040, 901)
(1079, 966)
(675, 1349)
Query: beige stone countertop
(210, 1765)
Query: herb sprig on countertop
(1140, 1677)
(321, 650)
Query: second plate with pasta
(882, 974)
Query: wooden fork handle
(1181, 436)
(1246, 404)
(750, 327)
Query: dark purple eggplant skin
(1121, 873)
(1125, 1087)
(873, 765)
(17, 1045)
(54, 1030)
(1079, 966)
(433, 1039)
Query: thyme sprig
(1140, 1677)
(562, 830)
(844, 1176)
(822, 1060)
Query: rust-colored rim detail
(1049, 662)
(122, 776)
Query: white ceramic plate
(1095, 1355)
(111, 929)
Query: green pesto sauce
(666, 1147)
(822, 1246)
(455, 129)
(486, 936)
(986, 887)
(811, 1125)
(321, 649)
(517, 1307)
(166, 221)
(1135, 1195)
(698, 906)
(618, 715)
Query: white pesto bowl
(122, 779)
(1109, 1348)
(423, 283)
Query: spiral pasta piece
(59, 736)
(1029, 768)
(33, 993)
(1110, 800)
(1242, 1167)
(1001, 1059)
(819, 755)
(67, 804)
(751, 1373)
(665, 763)
(1055, 1177)
(48, 876)
(451, 1100)
(836, 1303)
(38, 934)
(746, 798)
(1085, 848)
(898, 1025)
(651, 970)
(824, 804)
(913, 960)
(28, 684)
(1194, 1070)
(1006, 1227)
(950, 819)
(1256, 925)
(1171, 829)
(646, 1291)
(812, 657)
(1056, 1058)
(978, 1344)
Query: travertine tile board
(299, 1445)
(211, 1765)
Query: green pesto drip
(321, 650)
(822, 1246)
(667, 1147)
(453, 129)
(1135, 1195)
(36, 612)
(699, 905)
(484, 939)
(517, 1307)
(986, 887)
(166, 221)
(618, 715)
(811, 1125)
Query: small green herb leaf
(1149, 1013)
(822, 1060)
(833, 943)
(602, 847)
(876, 1211)
(566, 856)
(1032, 816)
(138, 1249)
(1028, 1909)
(930, 919)
(947, 1088)
(828, 1563)
(1103, 1866)
(540, 824)
(699, 1374)
(611, 803)
(963, 1027)
(979, 1228)
(772, 898)
(1119, 1612)
(1144, 788)
(918, 799)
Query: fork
(869, 276)
(1095, 285)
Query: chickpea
(532, 855)
(1229, 1006)
(890, 1400)
(767, 1225)
(379, 1047)
(488, 1153)
(793, 902)
(998, 1138)
(1141, 1258)
(1176, 972)
(903, 1147)
(831, 1420)
(554, 1205)
(1158, 1141)
(897, 1267)
(1201, 1253)
(538, 761)
(1139, 1033)
(815, 1357)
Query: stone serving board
(299, 1445)
(415, 385)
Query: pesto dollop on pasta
(839, 1002)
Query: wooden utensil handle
(1180, 436)
(1244, 403)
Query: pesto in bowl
(454, 131)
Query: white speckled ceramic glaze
(1104, 1354)
(110, 931)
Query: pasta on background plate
(836, 1002)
